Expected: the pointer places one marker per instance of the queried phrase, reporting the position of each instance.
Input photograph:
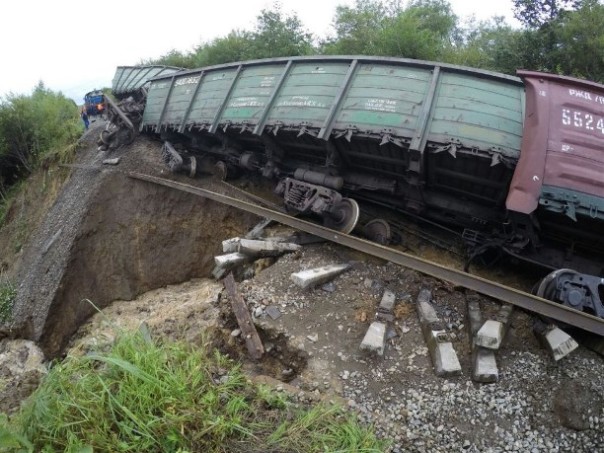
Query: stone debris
(493, 331)
(273, 311)
(484, 362)
(556, 341)
(329, 287)
(574, 403)
(314, 337)
(113, 161)
(22, 368)
(318, 275)
(441, 349)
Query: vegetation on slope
(35, 130)
(143, 396)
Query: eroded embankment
(127, 238)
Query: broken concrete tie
(386, 308)
(484, 362)
(443, 355)
(230, 245)
(374, 339)
(255, 247)
(318, 275)
(229, 260)
(556, 341)
(493, 331)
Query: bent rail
(489, 288)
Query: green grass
(8, 293)
(145, 396)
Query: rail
(489, 288)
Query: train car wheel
(378, 230)
(344, 216)
(547, 286)
(220, 171)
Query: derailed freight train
(516, 164)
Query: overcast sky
(75, 46)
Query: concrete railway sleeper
(558, 311)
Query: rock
(329, 287)
(21, 369)
(273, 311)
(114, 161)
(314, 338)
(573, 404)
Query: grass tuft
(145, 396)
(8, 294)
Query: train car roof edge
(559, 78)
(362, 59)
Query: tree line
(559, 36)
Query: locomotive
(516, 164)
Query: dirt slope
(110, 237)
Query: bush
(32, 128)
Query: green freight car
(384, 126)
(513, 163)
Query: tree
(490, 44)
(233, 47)
(173, 58)
(580, 41)
(536, 13)
(423, 30)
(31, 127)
(358, 28)
(279, 35)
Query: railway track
(498, 291)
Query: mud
(110, 237)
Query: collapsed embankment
(110, 237)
